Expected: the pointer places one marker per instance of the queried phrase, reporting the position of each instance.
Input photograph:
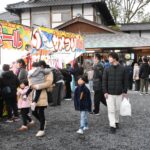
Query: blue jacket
(82, 99)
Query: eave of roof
(42, 3)
(83, 20)
(135, 27)
(120, 40)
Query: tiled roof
(7, 16)
(42, 3)
(135, 27)
(119, 40)
(83, 20)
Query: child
(36, 76)
(82, 102)
(24, 105)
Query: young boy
(37, 76)
(82, 103)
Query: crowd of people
(23, 92)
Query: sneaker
(146, 93)
(117, 125)
(31, 124)
(40, 133)
(141, 93)
(97, 114)
(16, 119)
(23, 128)
(80, 131)
(112, 130)
(85, 128)
(68, 99)
(9, 121)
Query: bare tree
(125, 10)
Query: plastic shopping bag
(125, 109)
(73, 84)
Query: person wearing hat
(82, 103)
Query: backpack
(57, 75)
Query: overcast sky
(4, 3)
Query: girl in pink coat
(24, 106)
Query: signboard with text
(63, 47)
(14, 36)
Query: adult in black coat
(10, 83)
(67, 78)
(115, 83)
(97, 85)
(144, 75)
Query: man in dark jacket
(10, 83)
(144, 75)
(97, 84)
(115, 87)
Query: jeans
(91, 85)
(83, 119)
(113, 105)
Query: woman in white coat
(136, 76)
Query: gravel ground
(63, 122)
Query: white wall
(77, 9)
(60, 15)
(40, 16)
(25, 18)
(88, 12)
(145, 34)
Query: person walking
(144, 76)
(24, 106)
(39, 112)
(136, 78)
(97, 84)
(82, 103)
(115, 87)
